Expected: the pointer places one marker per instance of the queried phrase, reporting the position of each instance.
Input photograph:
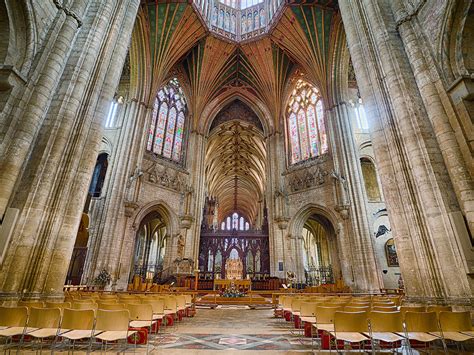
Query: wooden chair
(404, 309)
(421, 326)
(438, 309)
(350, 327)
(385, 309)
(77, 324)
(356, 309)
(113, 326)
(385, 326)
(111, 306)
(84, 305)
(12, 322)
(141, 316)
(44, 323)
(455, 326)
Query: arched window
(391, 253)
(305, 123)
(361, 118)
(370, 180)
(235, 222)
(166, 133)
(98, 176)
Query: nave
(290, 323)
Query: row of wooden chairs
(71, 324)
(394, 328)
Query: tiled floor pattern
(224, 330)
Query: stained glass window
(166, 132)
(305, 123)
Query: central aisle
(234, 329)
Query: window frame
(289, 111)
(153, 123)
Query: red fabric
(140, 337)
(297, 321)
(287, 316)
(308, 329)
(169, 320)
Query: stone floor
(233, 330)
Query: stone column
(276, 203)
(352, 206)
(418, 192)
(17, 145)
(53, 189)
(421, 64)
(196, 196)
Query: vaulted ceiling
(235, 167)
(172, 39)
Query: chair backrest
(112, 320)
(158, 306)
(111, 306)
(107, 301)
(60, 305)
(404, 309)
(189, 298)
(84, 305)
(31, 304)
(421, 322)
(386, 321)
(13, 316)
(108, 297)
(77, 319)
(181, 301)
(308, 309)
(356, 308)
(325, 315)
(296, 304)
(438, 309)
(455, 321)
(170, 303)
(84, 300)
(140, 311)
(44, 318)
(351, 322)
(385, 308)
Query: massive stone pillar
(64, 119)
(351, 203)
(419, 193)
(111, 240)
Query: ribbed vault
(235, 168)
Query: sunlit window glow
(305, 123)
(166, 132)
(235, 222)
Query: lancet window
(235, 222)
(166, 132)
(305, 123)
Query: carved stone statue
(181, 244)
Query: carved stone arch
(106, 146)
(17, 43)
(165, 211)
(220, 101)
(455, 49)
(298, 221)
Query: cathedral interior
(246, 150)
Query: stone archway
(315, 224)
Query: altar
(246, 284)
